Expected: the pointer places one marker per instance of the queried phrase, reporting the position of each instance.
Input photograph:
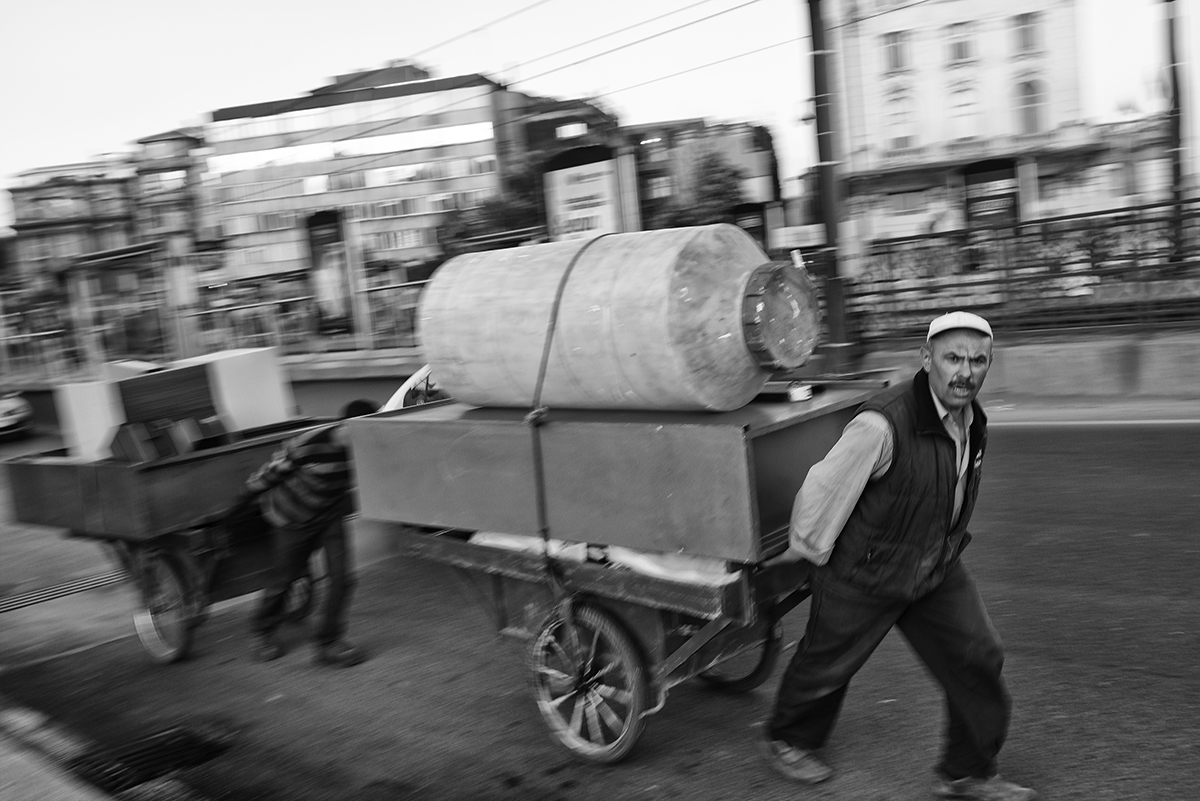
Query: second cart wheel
(590, 684)
(750, 668)
(164, 626)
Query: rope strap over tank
(537, 417)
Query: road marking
(69, 588)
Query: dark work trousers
(291, 548)
(950, 631)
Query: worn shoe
(799, 764)
(267, 647)
(338, 653)
(973, 789)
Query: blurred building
(380, 155)
(342, 190)
(8, 256)
(968, 113)
(667, 155)
(89, 284)
(169, 197)
(169, 168)
(65, 211)
(549, 126)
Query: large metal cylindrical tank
(682, 318)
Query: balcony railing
(979, 147)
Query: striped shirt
(306, 480)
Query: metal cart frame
(604, 644)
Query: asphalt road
(1086, 550)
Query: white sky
(83, 77)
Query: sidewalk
(1011, 409)
(28, 775)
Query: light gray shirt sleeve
(834, 484)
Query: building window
(1031, 111)
(482, 165)
(154, 218)
(571, 131)
(316, 184)
(347, 180)
(961, 46)
(964, 114)
(907, 202)
(895, 51)
(164, 181)
(659, 187)
(234, 226)
(1026, 28)
(277, 221)
(244, 256)
(899, 120)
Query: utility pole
(835, 307)
(1176, 143)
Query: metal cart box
(708, 484)
(136, 502)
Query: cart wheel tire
(747, 670)
(165, 625)
(304, 592)
(592, 701)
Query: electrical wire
(395, 121)
(471, 78)
(468, 79)
(613, 33)
(484, 26)
(705, 66)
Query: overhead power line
(315, 136)
(706, 65)
(395, 121)
(484, 26)
(613, 33)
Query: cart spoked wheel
(750, 668)
(590, 684)
(305, 592)
(165, 625)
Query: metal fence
(1134, 265)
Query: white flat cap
(958, 319)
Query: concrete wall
(1113, 367)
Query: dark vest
(900, 538)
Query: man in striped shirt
(304, 493)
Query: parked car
(16, 416)
(419, 388)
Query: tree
(717, 192)
(518, 207)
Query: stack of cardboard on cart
(139, 411)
